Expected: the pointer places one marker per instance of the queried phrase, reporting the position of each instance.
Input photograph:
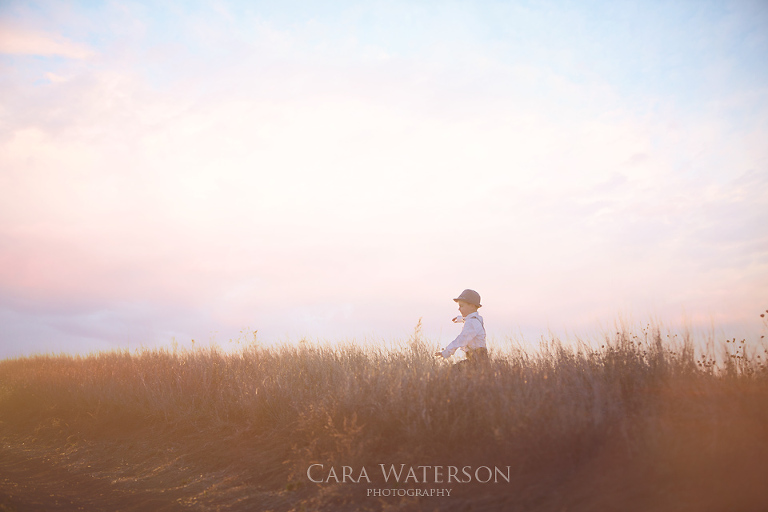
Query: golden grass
(641, 423)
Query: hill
(642, 422)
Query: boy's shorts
(477, 355)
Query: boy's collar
(472, 313)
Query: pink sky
(285, 178)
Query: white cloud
(16, 40)
(294, 187)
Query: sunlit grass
(642, 408)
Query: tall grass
(640, 423)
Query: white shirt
(472, 335)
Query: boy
(472, 336)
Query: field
(636, 421)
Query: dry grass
(641, 423)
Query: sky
(184, 170)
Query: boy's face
(465, 308)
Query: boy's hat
(470, 296)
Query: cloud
(23, 41)
(296, 183)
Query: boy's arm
(462, 340)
